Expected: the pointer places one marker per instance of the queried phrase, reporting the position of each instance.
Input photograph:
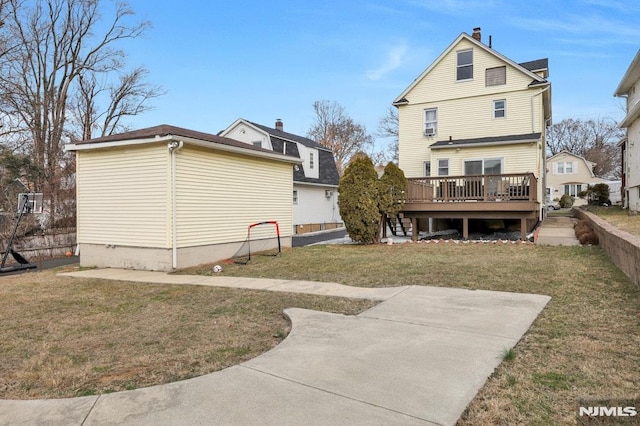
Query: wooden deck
(506, 196)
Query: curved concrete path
(419, 357)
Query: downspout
(533, 115)
(174, 147)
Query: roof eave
(632, 115)
(477, 144)
(191, 141)
(629, 77)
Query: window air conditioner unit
(429, 131)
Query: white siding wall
(122, 196)
(465, 109)
(314, 207)
(306, 154)
(249, 135)
(633, 165)
(220, 194)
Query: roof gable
(564, 154)
(287, 143)
(466, 40)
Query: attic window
(496, 76)
(465, 65)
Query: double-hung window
(427, 168)
(464, 69)
(499, 108)
(431, 122)
(564, 167)
(443, 167)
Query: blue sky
(263, 60)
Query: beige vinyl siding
(518, 158)
(440, 83)
(122, 196)
(470, 99)
(220, 194)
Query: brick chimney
(476, 34)
(279, 125)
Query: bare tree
(388, 127)
(594, 140)
(127, 97)
(59, 51)
(334, 129)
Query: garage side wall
(220, 194)
(123, 210)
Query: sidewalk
(557, 231)
(417, 358)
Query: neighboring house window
(258, 144)
(295, 197)
(311, 162)
(431, 121)
(427, 168)
(443, 167)
(499, 108)
(573, 189)
(564, 168)
(496, 76)
(465, 65)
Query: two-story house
(629, 88)
(472, 138)
(571, 174)
(315, 181)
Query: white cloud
(394, 58)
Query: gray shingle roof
(286, 142)
(537, 65)
(290, 136)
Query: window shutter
(575, 168)
(555, 168)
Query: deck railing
(493, 188)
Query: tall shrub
(358, 200)
(393, 190)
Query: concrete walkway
(557, 231)
(417, 358)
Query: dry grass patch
(64, 337)
(618, 217)
(584, 344)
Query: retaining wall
(622, 247)
(45, 246)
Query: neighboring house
(315, 181)
(472, 137)
(571, 174)
(164, 197)
(629, 88)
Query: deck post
(465, 228)
(414, 229)
(523, 228)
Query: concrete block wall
(622, 247)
